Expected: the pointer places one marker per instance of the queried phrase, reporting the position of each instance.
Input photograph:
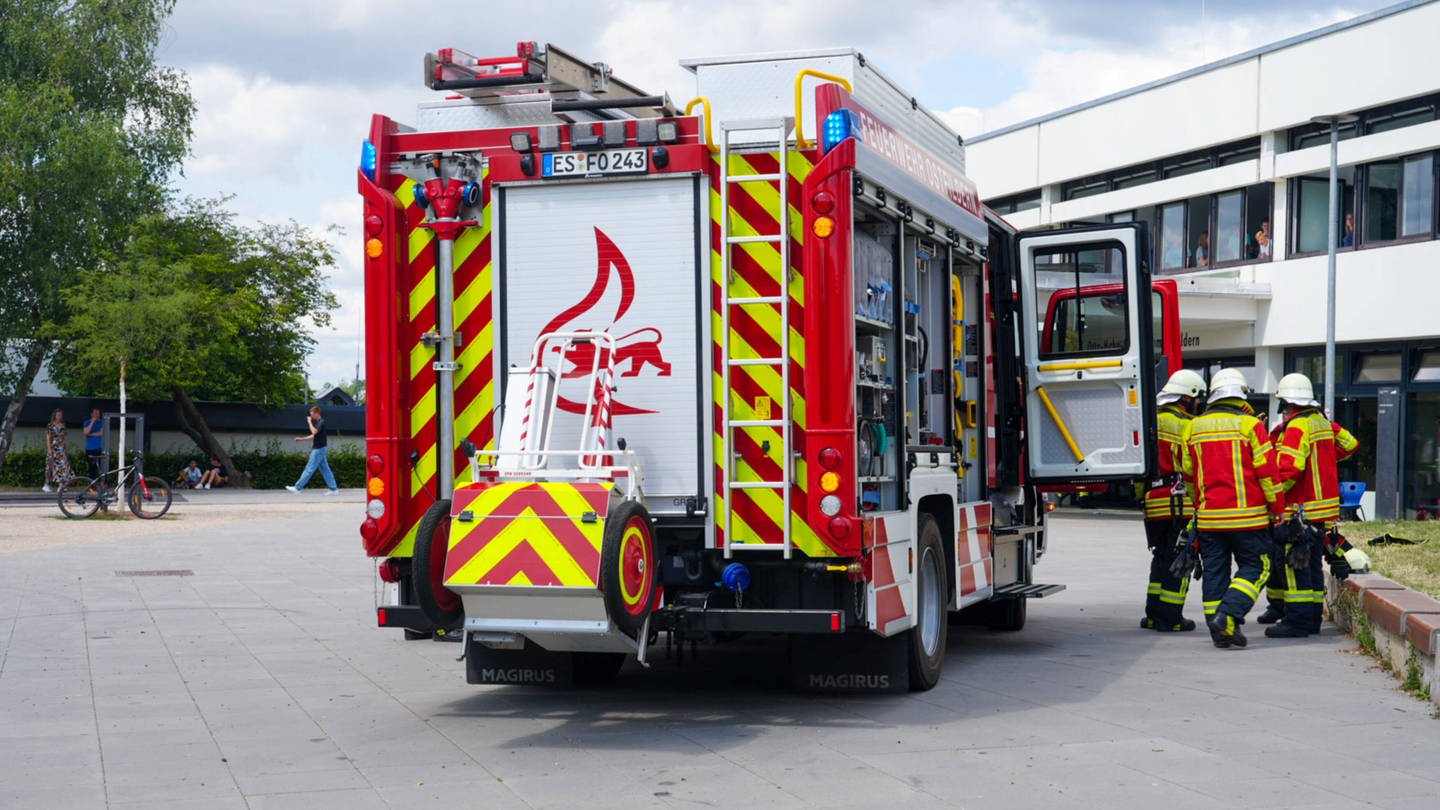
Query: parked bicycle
(148, 496)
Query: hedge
(25, 467)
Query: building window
(1172, 237)
(1426, 367)
(1310, 135)
(1259, 201)
(1183, 166)
(1407, 115)
(1417, 201)
(1130, 179)
(1312, 209)
(1378, 368)
(1084, 188)
(1016, 202)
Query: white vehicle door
(1088, 353)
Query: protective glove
(1357, 560)
(1297, 555)
(1339, 568)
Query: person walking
(1308, 446)
(1169, 504)
(317, 454)
(1229, 457)
(94, 443)
(57, 453)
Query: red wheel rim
(445, 598)
(637, 569)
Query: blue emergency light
(367, 159)
(838, 126)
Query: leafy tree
(198, 306)
(92, 128)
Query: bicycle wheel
(150, 498)
(79, 497)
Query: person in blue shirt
(1348, 239)
(94, 438)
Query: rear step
(1019, 590)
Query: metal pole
(1331, 239)
(445, 376)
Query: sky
(285, 88)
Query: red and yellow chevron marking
(527, 533)
(474, 382)
(755, 391)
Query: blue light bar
(838, 126)
(367, 159)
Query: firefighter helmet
(1183, 383)
(1228, 384)
(1295, 389)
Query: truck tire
(931, 631)
(427, 568)
(1006, 615)
(628, 567)
(592, 668)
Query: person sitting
(215, 476)
(189, 475)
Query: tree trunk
(34, 359)
(194, 425)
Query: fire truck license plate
(580, 164)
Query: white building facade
(1223, 163)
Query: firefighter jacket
(1228, 456)
(1171, 420)
(1307, 448)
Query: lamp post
(1334, 122)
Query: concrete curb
(1404, 624)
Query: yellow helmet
(1228, 384)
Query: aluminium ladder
(779, 129)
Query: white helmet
(1228, 384)
(1295, 389)
(1183, 383)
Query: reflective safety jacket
(1229, 457)
(1307, 448)
(1171, 420)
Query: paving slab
(259, 681)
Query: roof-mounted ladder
(535, 70)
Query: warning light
(823, 227)
(830, 481)
(376, 487)
(367, 159)
(838, 126)
(374, 247)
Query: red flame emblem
(639, 348)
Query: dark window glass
(1184, 166)
(1257, 222)
(1015, 203)
(1313, 206)
(1316, 134)
(1422, 454)
(1139, 178)
(1229, 226)
(1382, 201)
(1197, 225)
(1407, 118)
(1427, 367)
(1087, 189)
(1080, 318)
(1240, 156)
(1417, 206)
(1378, 368)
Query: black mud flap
(853, 662)
(531, 666)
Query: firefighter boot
(1274, 612)
(1183, 626)
(1285, 630)
(1225, 631)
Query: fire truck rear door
(624, 257)
(1088, 356)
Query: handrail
(709, 137)
(1075, 365)
(800, 142)
(1060, 423)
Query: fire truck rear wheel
(628, 567)
(427, 568)
(931, 631)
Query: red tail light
(375, 463)
(830, 458)
(823, 203)
(369, 529)
(839, 527)
(390, 570)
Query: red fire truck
(760, 364)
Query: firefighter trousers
(1165, 596)
(1249, 552)
(1297, 596)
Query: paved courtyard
(227, 658)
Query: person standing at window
(57, 453)
(1202, 250)
(317, 454)
(1348, 238)
(1262, 241)
(94, 438)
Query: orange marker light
(830, 481)
(376, 487)
(823, 227)
(374, 247)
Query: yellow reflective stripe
(1153, 589)
(1246, 587)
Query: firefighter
(1169, 505)
(1307, 447)
(1228, 456)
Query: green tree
(92, 128)
(207, 309)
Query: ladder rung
(755, 422)
(757, 484)
(773, 239)
(753, 178)
(757, 361)
(758, 299)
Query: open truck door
(1088, 355)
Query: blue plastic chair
(1350, 492)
